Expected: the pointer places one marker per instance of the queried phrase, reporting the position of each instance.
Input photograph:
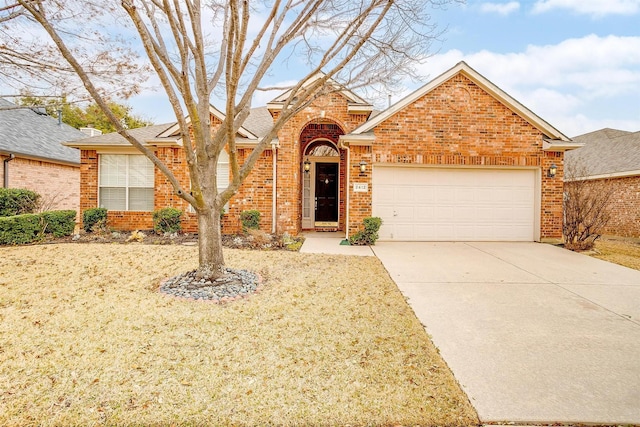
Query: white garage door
(429, 204)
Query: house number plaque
(360, 187)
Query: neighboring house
(613, 155)
(32, 156)
(457, 160)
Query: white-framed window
(222, 171)
(125, 182)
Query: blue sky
(575, 63)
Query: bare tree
(30, 62)
(228, 49)
(587, 206)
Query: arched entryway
(323, 186)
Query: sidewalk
(329, 243)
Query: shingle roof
(259, 121)
(114, 138)
(26, 132)
(606, 152)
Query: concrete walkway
(534, 334)
(329, 243)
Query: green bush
(250, 220)
(58, 223)
(92, 219)
(19, 229)
(14, 201)
(167, 220)
(369, 235)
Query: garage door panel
(454, 204)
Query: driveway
(532, 332)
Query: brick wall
(255, 194)
(458, 123)
(331, 109)
(625, 218)
(58, 185)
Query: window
(126, 182)
(222, 171)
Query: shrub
(15, 201)
(19, 229)
(250, 220)
(586, 208)
(167, 220)
(369, 235)
(93, 219)
(58, 223)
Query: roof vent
(91, 131)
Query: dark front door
(326, 192)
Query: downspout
(6, 170)
(348, 175)
(274, 201)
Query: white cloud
(578, 85)
(500, 8)
(596, 8)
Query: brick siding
(57, 184)
(457, 123)
(625, 208)
(460, 124)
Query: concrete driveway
(532, 332)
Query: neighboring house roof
(481, 81)
(27, 133)
(606, 153)
(145, 134)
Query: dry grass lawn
(620, 251)
(86, 339)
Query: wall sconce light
(307, 165)
(551, 173)
(363, 166)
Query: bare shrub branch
(587, 207)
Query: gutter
(6, 169)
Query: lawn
(618, 250)
(85, 338)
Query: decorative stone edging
(235, 285)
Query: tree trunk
(211, 259)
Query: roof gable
(173, 130)
(355, 102)
(482, 82)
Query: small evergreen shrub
(19, 229)
(58, 223)
(250, 220)
(93, 219)
(369, 235)
(167, 220)
(14, 201)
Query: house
(613, 155)
(457, 160)
(32, 156)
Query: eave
(360, 140)
(558, 145)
